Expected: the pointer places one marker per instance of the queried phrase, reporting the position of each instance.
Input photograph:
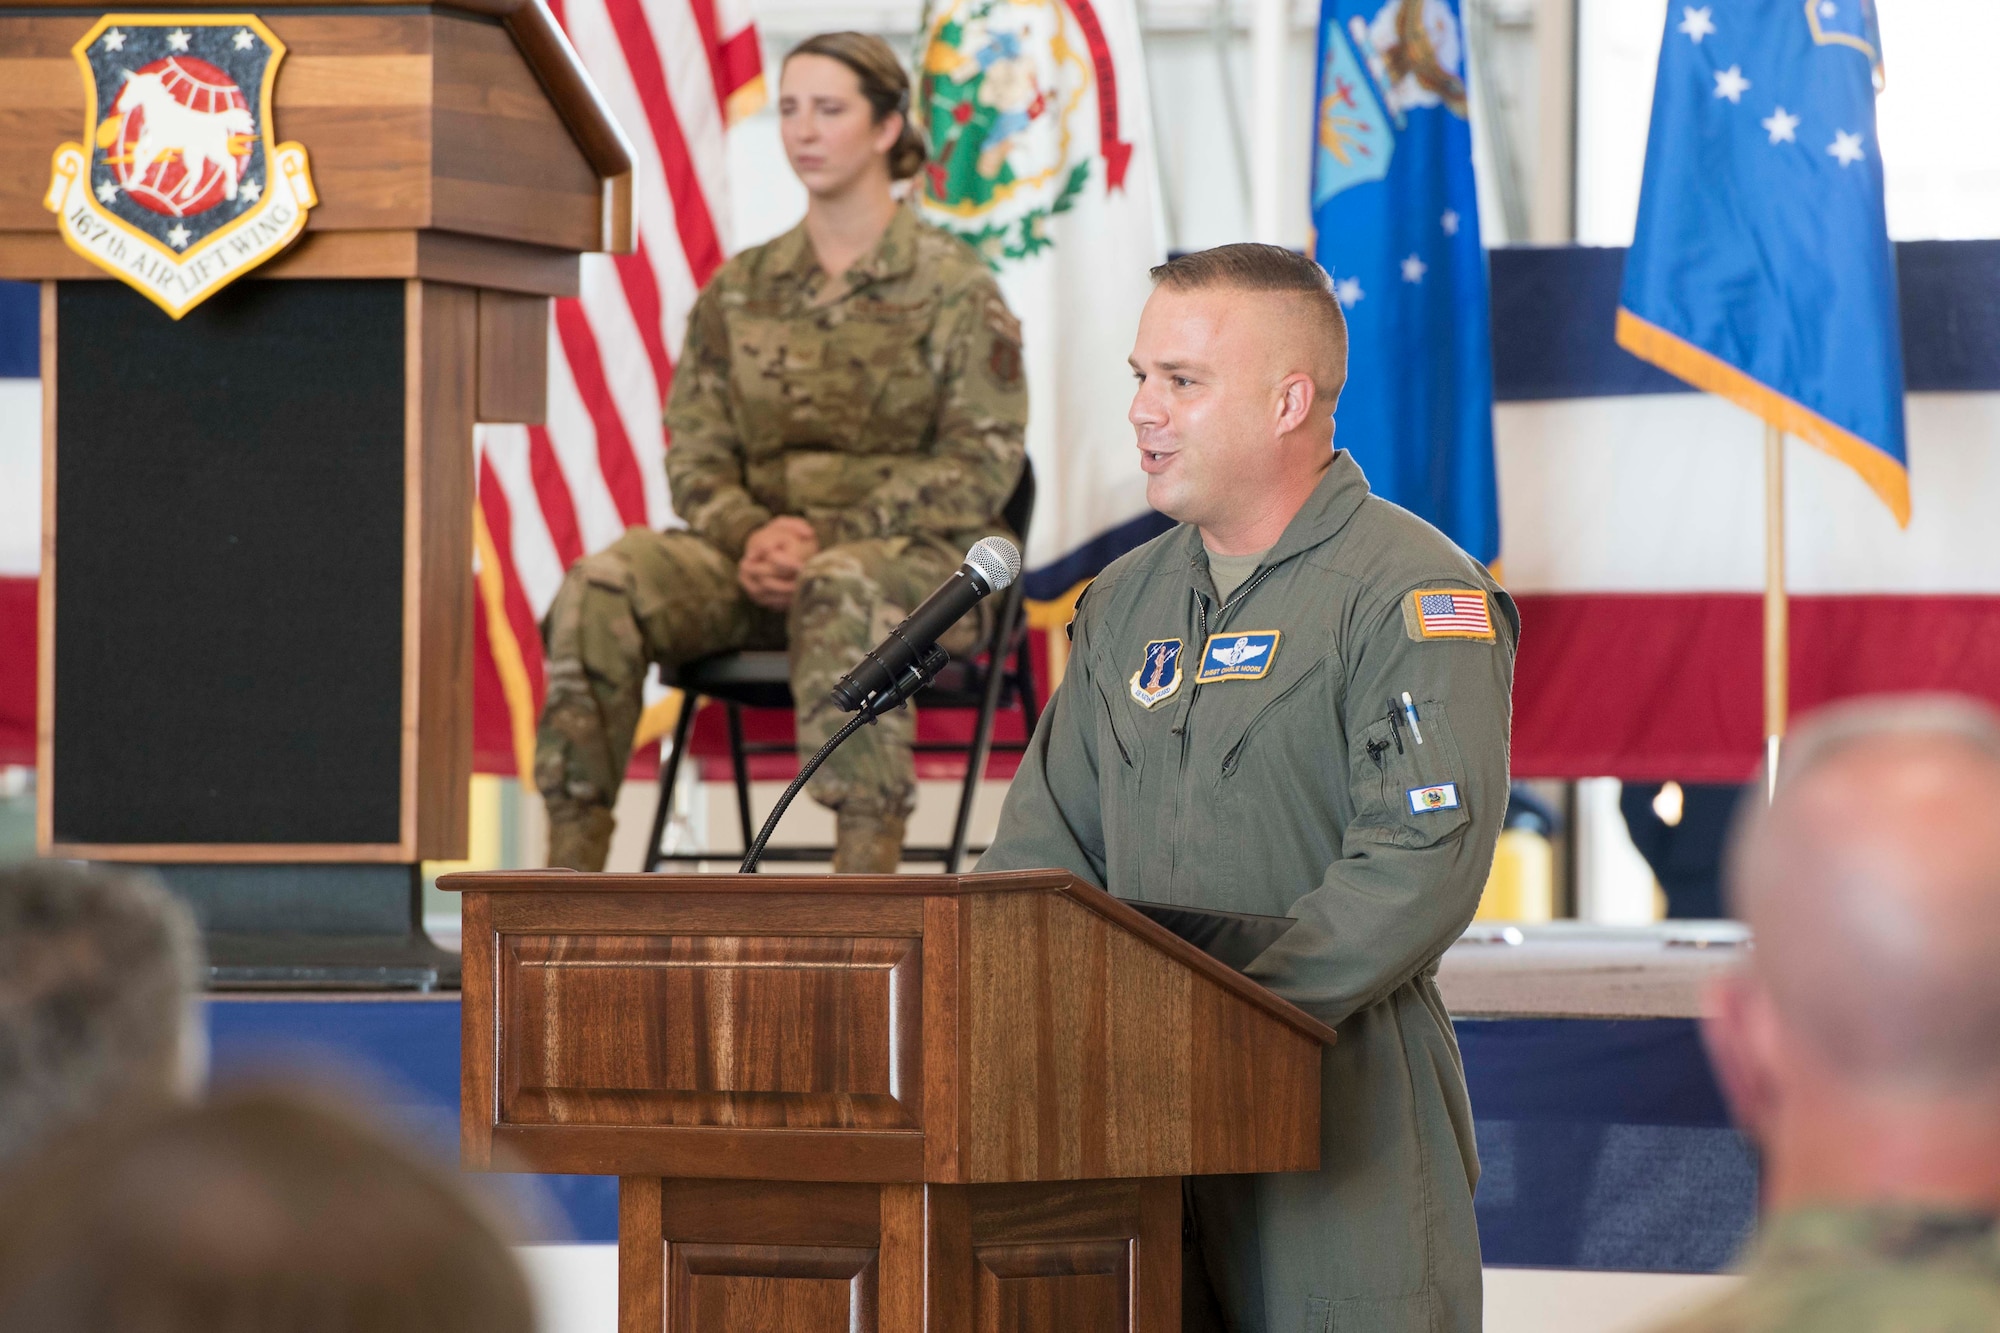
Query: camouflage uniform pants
(672, 597)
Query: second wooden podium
(857, 1103)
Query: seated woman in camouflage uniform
(846, 420)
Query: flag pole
(1777, 638)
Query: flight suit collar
(1333, 501)
(893, 256)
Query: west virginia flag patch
(1448, 613)
(1430, 800)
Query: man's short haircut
(1835, 729)
(1248, 266)
(258, 1210)
(1871, 879)
(98, 971)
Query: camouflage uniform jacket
(888, 402)
(1864, 1270)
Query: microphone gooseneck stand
(876, 704)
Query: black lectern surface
(1233, 938)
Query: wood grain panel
(1077, 1045)
(504, 163)
(642, 1256)
(347, 32)
(770, 1289)
(1158, 1268)
(1248, 1061)
(515, 212)
(34, 256)
(1087, 1255)
(711, 913)
(441, 388)
(378, 78)
(737, 1031)
(412, 120)
(46, 36)
(41, 106)
(1076, 1286)
(944, 1073)
(478, 1064)
(900, 1280)
(371, 166)
(471, 261)
(772, 1213)
(513, 357)
(712, 1153)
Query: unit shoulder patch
(1448, 613)
(1238, 655)
(1159, 675)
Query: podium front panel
(228, 496)
(256, 633)
(720, 1030)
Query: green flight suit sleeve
(962, 481)
(1053, 815)
(1409, 877)
(705, 460)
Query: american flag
(675, 73)
(1454, 613)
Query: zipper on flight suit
(1194, 690)
(1236, 750)
(1187, 708)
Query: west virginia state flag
(1396, 222)
(1761, 270)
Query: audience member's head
(98, 977)
(1861, 1044)
(256, 1213)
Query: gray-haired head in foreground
(1872, 882)
(256, 1211)
(98, 973)
(1249, 266)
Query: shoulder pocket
(1409, 793)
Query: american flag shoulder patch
(1448, 613)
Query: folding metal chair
(999, 673)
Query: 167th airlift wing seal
(180, 185)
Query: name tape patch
(1430, 800)
(1448, 613)
(1238, 655)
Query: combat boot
(579, 835)
(867, 843)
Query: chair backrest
(1019, 511)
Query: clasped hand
(772, 558)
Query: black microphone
(991, 564)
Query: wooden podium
(258, 529)
(257, 601)
(925, 1102)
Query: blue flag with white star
(1396, 222)
(1761, 270)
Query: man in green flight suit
(1859, 1043)
(1294, 703)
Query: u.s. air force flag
(1396, 222)
(1761, 270)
